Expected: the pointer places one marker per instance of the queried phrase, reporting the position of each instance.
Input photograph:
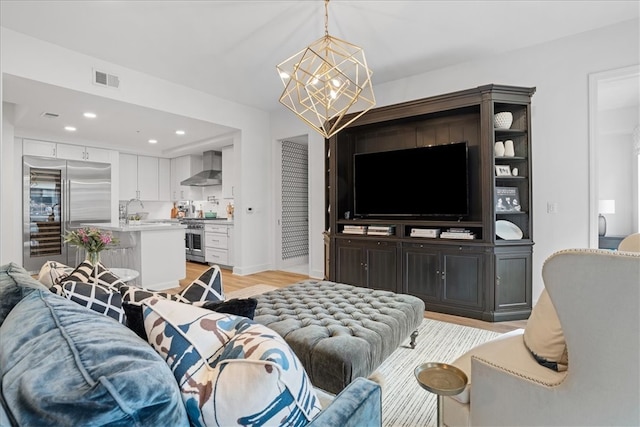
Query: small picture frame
(503, 170)
(507, 199)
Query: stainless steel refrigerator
(58, 196)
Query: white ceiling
(230, 48)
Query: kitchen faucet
(127, 208)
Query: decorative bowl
(503, 120)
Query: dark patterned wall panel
(295, 205)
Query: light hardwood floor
(233, 282)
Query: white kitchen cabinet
(228, 164)
(32, 147)
(147, 178)
(184, 167)
(230, 245)
(217, 243)
(79, 152)
(128, 177)
(164, 179)
(139, 177)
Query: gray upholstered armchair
(596, 295)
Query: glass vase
(94, 259)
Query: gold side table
(441, 379)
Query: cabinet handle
(54, 151)
(87, 153)
(443, 275)
(498, 281)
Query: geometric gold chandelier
(325, 81)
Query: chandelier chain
(326, 18)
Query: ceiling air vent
(48, 115)
(101, 78)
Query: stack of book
(425, 232)
(457, 233)
(355, 229)
(381, 230)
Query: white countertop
(144, 226)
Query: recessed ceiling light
(70, 128)
(153, 141)
(180, 132)
(90, 115)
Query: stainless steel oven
(194, 240)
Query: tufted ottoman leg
(414, 335)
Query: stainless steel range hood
(212, 173)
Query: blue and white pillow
(217, 357)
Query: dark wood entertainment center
(486, 277)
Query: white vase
(508, 148)
(499, 149)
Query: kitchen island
(156, 250)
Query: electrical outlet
(552, 207)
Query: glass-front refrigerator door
(43, 212)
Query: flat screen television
(414, 182)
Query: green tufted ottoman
(338, 331)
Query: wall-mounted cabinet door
(79, 152)
(32, 147)
(139, 177)
(184, 167)
(128, 177)
(164, 179)
(147, 178)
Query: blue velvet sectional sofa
(65, 365)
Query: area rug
(250, 291)
(404, 402)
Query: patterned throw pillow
(52, 273)
(210, 352)
(95, 297)
(543, 335)
(237, 307)
(134, 294)
(207, 287)
(85, 272)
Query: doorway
(292, 239)
(614, 155)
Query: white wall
(30, 58)
(284, 124)
(9, 212)
(559, 70)
(616, 163)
